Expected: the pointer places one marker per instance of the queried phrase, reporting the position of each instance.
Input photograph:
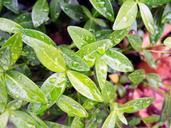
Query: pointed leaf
(9, 26)
(71, 107)
(21, 87)
(126, 15)
(122, 118)
(147, 17)
(56, 125)
(81, 36)
(77, 123)
(117, 61)
(135, 42)
(167, 42)
(92, 51)
(4, 120)
(84, 85)
(104, 7)
(12, 5)
(14, 104)
(110, 120)
(73, 61)
(40, 13)
(55, 9)
(53, 88)
(154, 80)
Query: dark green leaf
(5, 61)
(117, 61)
(84, 85)
(40, 12)
(56, 125)
(104, 7)
(126, 15)
(147, 17)
(110, 120)
(55, 9)
(92, 51)
(81, 36)
(154, 2)
(167, 42)
(135, 42)
(4, 119)
(53, 88)
(73, 61)
(12, 5)
(71, 107)
(154, 80)
(21, 87)
(9, 26)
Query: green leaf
(77, 123)
(90, 52)
(154, 80)
(48, 55)
(136, 105)
(53, 88)
(101, 72)
(151, 119)
(40, 12)
(135, 42)
(9, 26)
(3, 94)
(122, 118)
(147, 17)
(84, 85)
(126, 15)
(117, 61)
(14, 104)
(104, 7)
(73, 61)
(167, 42)
(154, 2)
(12, 5)
(71, 107)
(80, 36)
(21, 87)
(110, 120)
(149, 58)
(15, 45)
(4, 119)
(55, 9)
(137, 76)
(166, 17)
(56, 125)
(117, 36)
(23, 120)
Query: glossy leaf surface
(135, 42)
(55, 9)
(110, 120)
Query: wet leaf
(147, 17)
(126, 15)
(21, 87)
(136, 105)
(55, 9)
(110, 120)
(135, 42)
(12, 5)
(117, 61)
(154, 80)
(9, 26)
(71, 107)
(81, 36)
(137, 76)
(73, 61)
(5, 61)
(167, 42)
(53, 88)
(40, 12)
(4, 119)
(104, 7)
(77, 123)
(84, 85)
(89, 53)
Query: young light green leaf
(71, 107)
(166, 16)
(154, 80)
(104, 7)
(137, 76)
(9, 26)
(101, 72)
(77, 123)
(14, 104)
(4, 119)
(12, 5)
(126, 15)
(53, 88)
(3, 94)
(117, 61)
(147, 17)
(73, 61)
(167, 42)
(92, 51)
(84, 85)
(117, 36)
(136, 105)
(55, 125)
(80, 36)
(55, 9)
(121, 117)
(21, 87)
(135, 42)
(110, 120)
(149, 58)
(40, 13)
(48, 55)
(151, 119)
